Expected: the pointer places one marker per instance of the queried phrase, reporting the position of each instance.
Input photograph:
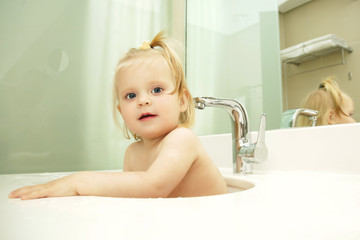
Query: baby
(333, 105)
(167, 158)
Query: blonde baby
(166, 159)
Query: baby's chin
(160, 133)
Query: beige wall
(314, 19)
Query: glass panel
(233, 52)
(57, 63)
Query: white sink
(235, 184)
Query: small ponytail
(330, 86)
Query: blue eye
(157, 90)
(130, 95)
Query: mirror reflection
(212, 70)
(306, 23)
(233, 52)
(332, 104)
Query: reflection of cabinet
(315, 48)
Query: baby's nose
(144, 102)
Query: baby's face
(147, 103)
(348, 108)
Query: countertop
(281, 205)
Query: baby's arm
(179, 151)
(174, 160)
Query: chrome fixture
(290, 118)
(245, 153)
(308, 112)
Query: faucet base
(247, 168)
(241, 167)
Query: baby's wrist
(79, 181)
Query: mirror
(312, 20)
(220, 31)
(233, 52)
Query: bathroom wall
(57, 60)
(312, 20)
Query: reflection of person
(334, 106)
(167, 160)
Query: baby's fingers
(33, 195)
(29, 192)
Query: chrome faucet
(245, 153)
(303, 111)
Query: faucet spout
(244, 152)
(236, 110)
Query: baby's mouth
(146, 116)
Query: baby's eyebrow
(158, 82)
(126, 91)
(164, 84)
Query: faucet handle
(260, 151)
(255, 152)
(262, 128)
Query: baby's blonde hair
(165, 47)
(327, 97)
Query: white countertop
(282, 205)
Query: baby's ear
(184, 102)
(118, 108)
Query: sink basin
(235, 184)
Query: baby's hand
(58, 188)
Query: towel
(324, 45)
(315, 47)
(292, 52)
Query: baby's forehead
(149, 57)
(152, 61)
(155, 65)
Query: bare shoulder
(182, 139)
(133, 147)
(131, 154)
(183, 135)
